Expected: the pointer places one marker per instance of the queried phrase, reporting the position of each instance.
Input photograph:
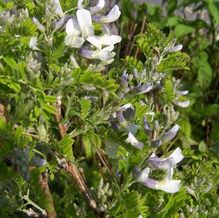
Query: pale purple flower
(134, 141)
(167, 184)
(166, 163)
(144, 88)
(147, 127)
(98, 7)
(112, 16)
(182, 104)
(169, 135)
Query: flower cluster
(168, 184)
(81, 32)
(80, 29)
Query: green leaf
(169, 91)
(182, 30)
(49, 108)
(65, 147)
(204, 71)
(87, 146)
(10, 62)
(172, 21)
(131, 205)
(213, 8)
(85, 107)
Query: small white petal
(72, 27)
(133, 141)
(108, 62)
(85, 23)
(98, 7)
(33, 43)
(144, 174)
(185, 92)
(169, 135)
(125, 107)
(74, 62)
(94, 40)
(112, 16)
(176, 48)
(171, 186)
(182, 104)
(74, 41)
(110, 39)
(177, 155)
(39, 25)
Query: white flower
(98, 7)
(167, 184)
(134, 141)
(112, 16)
(184, 92)
(33, 43)
(85, 22)
(166, 163)
(169, 135)
(176, 48)
(104, 54)
(99, 41)
(182, 104)
(73, 39)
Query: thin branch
(142, 30)
(50, 210)
(73, 170)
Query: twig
(50, 210)
(73, 170)
(142, 30)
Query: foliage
(65, 120)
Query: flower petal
(85, 22)
(74, 41)
(98, 7)
(94, 40)
(72, 28)
(33, 43)
(171, 186)
(112, 16)
(182, 104)
(147, 127)
(176, 48)
(169, 135)
(133, 141)
(166, 163)
(185, 92)
(177, 155)
(143, 174)
(39, 25)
